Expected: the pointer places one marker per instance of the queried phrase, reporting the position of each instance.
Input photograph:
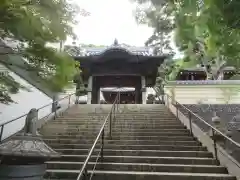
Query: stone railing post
(55, 103)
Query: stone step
(119, 112)
(182, 130)
(141, 159)
(77, 121)
(122, 111)
(126, 116)
(116, 125)
(114, 130)
(119, 120)
(135, 147)
(119, 152)
(87, 133)
(142, 117)
(126, 142)
(139, 114)
(148, 142)
(140, 126)
(121, 137)
(55, 130)
(86, 128)
(96, 129)
(120, 117)
(137, 117)
(139, 167)
(130, 175)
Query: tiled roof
(144, 51)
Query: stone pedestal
(26, 172)
(24, 156)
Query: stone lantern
(23, 156)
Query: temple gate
(118, 66)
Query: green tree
(31, 24)
(204, 36)
(73, 50)
(167, 71)
(207, 32)
(8, 84)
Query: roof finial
(115, 42)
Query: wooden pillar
(98, 95)
(95, 91)
(89, 95)
(138, 93)
(144, 91)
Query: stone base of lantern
(26, 172)
(23, 156)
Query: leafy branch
(30, 26)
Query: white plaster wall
(25, 101)
(205, 94)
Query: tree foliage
(8, 84)
(73, 50)
(31, 24)
(204, 34)
(156, 16)
(206, 31)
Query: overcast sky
(110, 19)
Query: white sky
(110, 19)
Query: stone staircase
(148, 143)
